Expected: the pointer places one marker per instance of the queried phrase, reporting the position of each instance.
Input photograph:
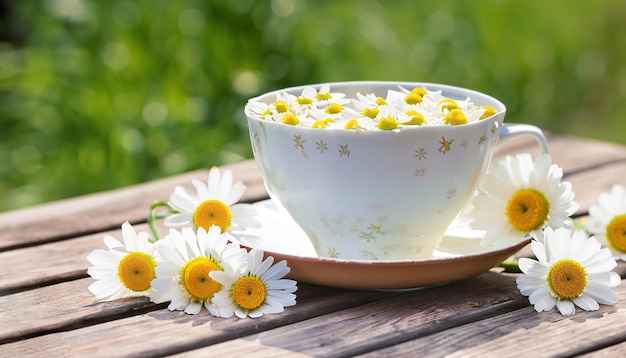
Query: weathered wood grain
(111, 329)
(385, 322)
(521, 332)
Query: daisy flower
(257, 289)
(186, 258)
(520, 197)
(125, 269)
(569, 271)
(607, 220)
(213, 203)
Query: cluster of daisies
(520, 198)
(203, 264)
(325, 109)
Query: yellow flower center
(413, 98)
(291, 119)
(419, 90)
(323, 96)
(489, 111)
(249, 292)
(616, 233)
(387, 123)
(333, 108)
(417, 119)
(266, 113)
(455, 117)
(370, 112)
(212, 212)
(304, 100)
(380, 101)
(352, 124)
(449, 104)
(281, 106)
(194, 277)
(567, 279)
(136, 271)
(320, 123)
(527, 210)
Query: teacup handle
(508, 130)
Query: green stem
(152, 216)
(510, 267)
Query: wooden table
(46, 309)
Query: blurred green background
(101, 94)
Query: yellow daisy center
(419, 90)
(527, 210)
(323, 96)
(567, 279)
(320, 123)
(351, 124)
(413, 98)
(194, 277)
(281, 106)
(212, 212)
(304, 100)
(387, 123)
(489, 111)
(380, 101)
(616, 233)
(370, 112)
(333, 108)
(449, 104)
(416, 118)
(249, 292)
(291, 119)
(266, 113)
(136, 271)
(455, 117)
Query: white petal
(566, 307)
(586, 302)
(178, 219)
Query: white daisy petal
(521, 196)
(187, 261)
(124, 270)
(607, 220)
(566, 307)
(214, 203)
(178, 219)
(255, 289)
(576, 272)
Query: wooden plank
(105, 211)
(611, 351)
(524, 331)
(385, 322)
(78, 325)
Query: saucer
(459, 256)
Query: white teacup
(374, 194)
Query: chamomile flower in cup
(376, 170)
